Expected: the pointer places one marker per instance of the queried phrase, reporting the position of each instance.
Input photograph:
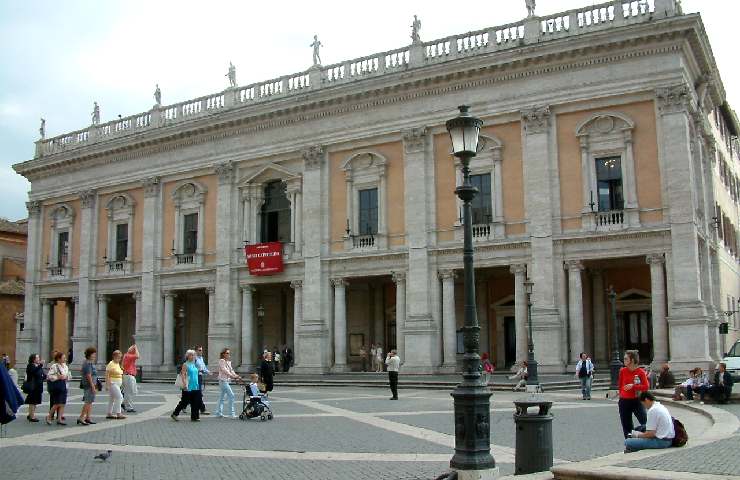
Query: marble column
(247, 329)
(139, 320)
(47, 327)
(28, 340)
(168, 331)
(449, 322)
(84, 307)
(213, 345)
(400, 279)
(72, 309)
(297, 286)
(103, 329)
(601, 337)
(520, 311)
(148, 337)
(657, 296)
(223, 327)
(340, 324)
(575, 309)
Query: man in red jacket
(632, 380)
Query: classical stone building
(609, 157)
(12, 274)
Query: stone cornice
(472, 74)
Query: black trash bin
(533, 436)
(138, 374)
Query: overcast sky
(57, 58)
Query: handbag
(26, 387)
(179, 383)
(98, 385)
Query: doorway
(509, 341)
(637, 333)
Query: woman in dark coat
(35, 382)
(267, 371)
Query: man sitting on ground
(721, 388)
(659, 430)
(665, 377)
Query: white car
(732, 360)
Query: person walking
(632, 380)
(659, 431)
(200, 364)
(88, 383)
(373, 360)
(267, 372)
(487, 367)
(191, 391)
(58, 377)
(585, 373)
(225, 375)
(34, 385)
(129, 388)
(287, 358)
(113, 381)
(363, 357)
(393, 362)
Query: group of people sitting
(698, 382)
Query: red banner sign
(264, 258)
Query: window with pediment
(62, 229)
(609, 189)
(189, 199)
(486, 175)
(365, 179)
(120, 211)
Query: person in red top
(632, 380)
(129, 378)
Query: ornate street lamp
(616, 363)
(532, 378)
(471, 397)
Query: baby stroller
(254, 406)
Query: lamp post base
(472, 429)
(489, 474)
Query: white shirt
(660, 421)
(589, 366)
(394, 363)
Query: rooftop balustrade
(532, 30)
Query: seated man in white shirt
(659, 430)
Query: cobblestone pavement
(327, 433)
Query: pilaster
(520, 311)
(148, 336)
(449, 321)
(85, 307)
(28, 340)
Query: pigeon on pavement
(103, 456)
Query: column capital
(137, 295)
(151, 186)
(169, 293)
(447, 274)
(87, 198)
(338, 282)
(536, 120)
(34, 208)
(398, 277)
(574, 265)
(673, 99)
(225, 172)
(313, 157)
(210, 291)
(596, 271)
(48, 301)
(296, 284)
(414, 139)
(75, 300)
(655, 259)
(518, 268)
(246, 289)
(102, 298)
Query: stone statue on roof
(232, 75)
(158, 95)
(316, 55)
(95, 114)
(530, 7)
(415, 28)
(42, 129)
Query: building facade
(12, 275)
(608, 157)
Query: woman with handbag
(89, 385)
(267, 372)
(58, 377)
(33, 385)
(191, 392)
(113, 381)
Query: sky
(56, 58)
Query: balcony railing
(116, 266)
(56, 271)
(613, 219)
(584, 20)
(185, 258)
(363, 241)
(481, 231)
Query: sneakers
(217, 415)
(174, 417)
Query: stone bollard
(533, 436)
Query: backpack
(681, 437)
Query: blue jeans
(635, 444)
(586, 385)
(228, 394)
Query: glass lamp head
(464, 130)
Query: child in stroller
(255, 404)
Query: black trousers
(194, 398)
(628, 407)
(393, 379)
(200, 389)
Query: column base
(489, 474)
(343, 368)
(309, 370)
(447, 369)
